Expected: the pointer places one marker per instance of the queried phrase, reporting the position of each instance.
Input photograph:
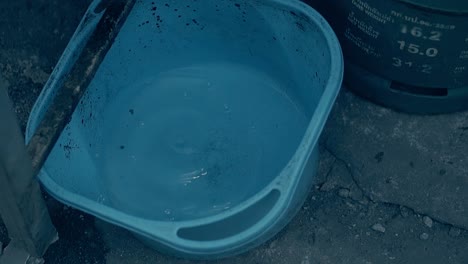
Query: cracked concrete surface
(382, 174)
(416, 161)
(348, 185)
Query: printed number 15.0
(416, 49)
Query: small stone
(305, 260)
(404, 211)
(364, 200)
(33, 260)
(356, 194)
(327, 186)
(428, 221)
(350, 205)
(424, 236)
(343, 193)
(378, 228)
(379, 156)
(89, 232)
(454, 231)
(273, 244)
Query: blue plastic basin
(199, 131)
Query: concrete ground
(392, 188)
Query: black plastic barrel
(410, 55)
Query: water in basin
(204, 137)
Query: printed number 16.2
(419, 33)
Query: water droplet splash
(188, 178)
(101, 199)
(227, 110)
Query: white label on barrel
(366, 47)
(363, 26)
(464, 55)
(372, 11)
(459, 69)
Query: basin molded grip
(233, 224)
(230, 235)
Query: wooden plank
(61, 110)
(21, 205)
